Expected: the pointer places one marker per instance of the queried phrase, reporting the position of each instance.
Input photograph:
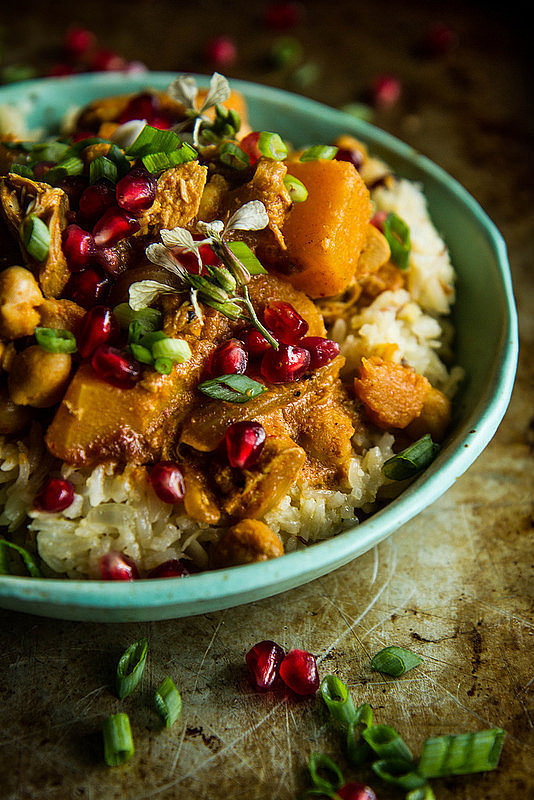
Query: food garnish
(118, 740)
(168, 701)
(395, 661)
(130, 668)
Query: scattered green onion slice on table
(320, 761)
(461, 754)
(338, 700)
(412, 460)
(387, 743)
(232, 388)
(177, 350)
(397, 234)
(118, 741)
(168, 701)
(56, 340)
(131, 667)
(271, 145)
(35, 237)
(421, 793)
(29, 561)
(358, 751)
(395, 661)
(297, 190)
(103, 167)
(317, 151)
(399, 773)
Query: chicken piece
(434, 417)
(38, 378)
(178, 195)
(20, 298)
(21, 196)
(199, 501)
(245, 543)
(61, 314)
(212, 201)
(393, 395)
(267, 184)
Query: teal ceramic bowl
(486, 347)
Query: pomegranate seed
(438, 40)
(118, 567)
(229, 359)
(78, 247)
(115, 367)
(208, 256)
(107, 61)
(41, 168)
(283, 15)
(141, 106)
(114, 226)
(286, 364)
(321, 351)
(87, 287)
(60, 70)
(244, 443)
(263, 662)
(286, 324)
(249, 144)
(255, 342)
(298, 670)
(386, 90)
(56, 495)
(354, 157)
(99, 326)
(73, 186)
(109, 259)
(220, 51)
(378, 219)
(169, 569)
(96, 199)
(162, 123)
(78, 41)
(167, 481)
(356, 791)
(136, 191)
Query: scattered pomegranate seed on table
(115, 367)
(107, 61)
(78, 41)
(220, 51)
(286, 364)
(386, 91)
(299, 671)
(321, 351)
(136, 191)
(244, 443)
(113, 226)
(167, 481)
(438, 40)
(283, 15)
(229, 358)
(284, 322)
(169, 569)
(56, 495)
(116, 566)
(356, 791)
(263, 661)
(99, 326)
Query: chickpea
(248, 541)
(39, 378)
(13, 419)
(20, 297)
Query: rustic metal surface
(455, 584)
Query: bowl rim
(301, 566)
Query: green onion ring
(130, 668)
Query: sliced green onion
(232, 155)
(163, 365)
(35, 237)
(168, 701)
(338, 700)
(150, 318)
(116, 155)
(358, 751)
(422, 793)
(72, 165)
(54, 175)
(56, 340)
(77, 147)
(317, 151)
(297, 190)
(320, 761)
(149, 339)
(118, 741)
(397, 234)
(461, 754)
(395, 661)
(22, 169)
(29, 561)
(102, 167)
(412, 460)
(131, 667)
(232, 388)
(387, 743)
(271, 145)
(152, 140)
(177, 350)
(399, 773)
(245, 255)
(141, 354)
(49, 151)
(158, 162)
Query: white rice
(117, 509)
